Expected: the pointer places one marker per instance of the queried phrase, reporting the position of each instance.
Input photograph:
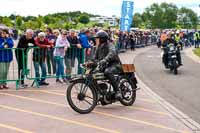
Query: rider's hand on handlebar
(90, 64)
(102, 64)
(178, 45)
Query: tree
(67, 26)
(7, 22)
(169, 15)
(46, 20)
(39, 22)
(187, 18)
(57, 20)
(1, 19)
(19, 21)
(29, 25)
(84, 19)
(161, 16)
(137, 20)
(29, 18)
(12, 17)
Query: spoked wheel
(128, 91)
(81, 97)
(175, 71)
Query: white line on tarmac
(58, 119)
(96, 112)
(14, 128)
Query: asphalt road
(182, 90)
(45, 110)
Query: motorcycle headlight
(87, 72)
(171, 49)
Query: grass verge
(197, 52)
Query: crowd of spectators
(55, 50)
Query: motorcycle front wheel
(81, 97)
(175, 64)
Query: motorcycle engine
(106, 95)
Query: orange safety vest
(181, 34)
(163, 37)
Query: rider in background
(109, 62)
(196, 39)
(165, 44)
(178, 37)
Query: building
(3, 26)
(112, 21)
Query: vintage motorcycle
(86, 91)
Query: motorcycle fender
(76, 79)
(83, 78)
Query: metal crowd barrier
(42, 64)
(17, 64)
(10, 64)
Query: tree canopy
(84, 19)
(162, 16)
(65, 20)
(166, 16)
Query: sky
(98, 7)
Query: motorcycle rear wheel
(126, 87)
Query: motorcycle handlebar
(89, 64)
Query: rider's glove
(102, 64)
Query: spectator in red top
(39, 56)
(50, 58)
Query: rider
(178, 38)
(165, 45)
(108, 59)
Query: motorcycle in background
(172, 51)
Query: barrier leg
(17, 85)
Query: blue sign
(126, 15)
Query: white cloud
(102, 7)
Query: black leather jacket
(168, 41)
(108, 53)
